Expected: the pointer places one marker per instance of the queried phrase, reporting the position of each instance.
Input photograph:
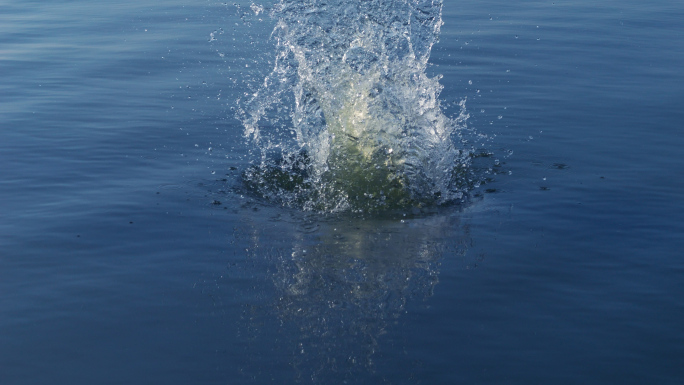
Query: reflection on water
(340, 284)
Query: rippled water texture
(300, 192)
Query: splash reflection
(340, 285)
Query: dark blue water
(129, 254)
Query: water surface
(131, 253)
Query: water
(131, 251)
(349, 83)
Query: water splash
(348, 119)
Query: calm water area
(130, 253)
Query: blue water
(129, 253)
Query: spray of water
(348, 119)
